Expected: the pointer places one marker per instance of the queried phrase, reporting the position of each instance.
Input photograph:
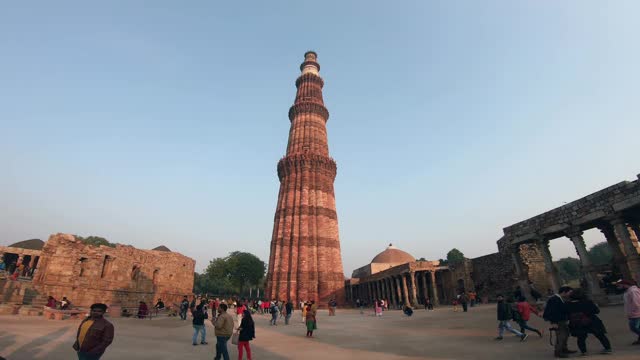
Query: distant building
(85, 274)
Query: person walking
(199, 314)
(524, 310)
(274, 313)
(583, 320)
(311, 320)
(359, 305)
(94, 335)
(504, 316)
(223, 330)
(464, 300)
(333, 304)
(247, 332)
(240, 308)
(556, 313)
(631, 300)
(184, 306)
(289, 312)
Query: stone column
(399, 290)
(587, 267)
(523, 277)
(425, 290)
(549, 266)
(392, 291)
(632, 257)
(387, 292)
(434, 289)
(405, 290)
(414, 293)
(369, 293)
(616, 250)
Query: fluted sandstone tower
(305, 262)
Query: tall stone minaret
(305, 262)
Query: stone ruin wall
(496, 273)
(598, 204)
(462, 271)
(120, 276)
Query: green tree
(94, 240)
(244, 269)
(568, 269)
(231, 274)
(455, 256)
(600, 254)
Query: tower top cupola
(310, 64)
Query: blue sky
(162, 122)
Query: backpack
(579, 319)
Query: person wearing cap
(95, 334)
(631, 305)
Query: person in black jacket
(504, 315)
(247, 331)
(556, 313)
(199, 314)
(583, 320)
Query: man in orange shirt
(95, 333)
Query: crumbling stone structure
(119, 276)
(615, 211)
(305, 261)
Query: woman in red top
(524, 314)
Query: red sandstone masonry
(305, 261)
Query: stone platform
(441, 334)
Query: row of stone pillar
(622, 237)
(398, 290)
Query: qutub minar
(305, 262)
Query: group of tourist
(464, 299)
(223, 323)
(570, 313)
(15, 269)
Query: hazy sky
(161, 122)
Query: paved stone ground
(441, 334)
